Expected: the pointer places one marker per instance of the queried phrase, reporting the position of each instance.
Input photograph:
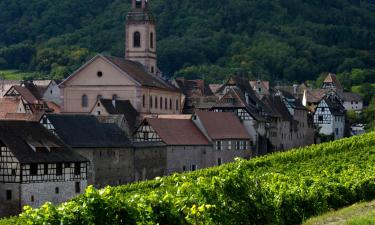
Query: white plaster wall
(356, 107)
(45, 192)
(53, 94)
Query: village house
(36, 167)
(185, 146)
(227, 134)
(329, 116)
(106, 146)
(135, 78)
(120, 112)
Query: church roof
(19, 136)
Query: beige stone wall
(113, 82)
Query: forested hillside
(294, 40)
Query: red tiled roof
(178, 131)
(222, 125)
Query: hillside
(284, 188)
(279, 39)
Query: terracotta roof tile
(178, 131)
(222, 125)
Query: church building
(135, 77)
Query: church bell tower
(140, 36)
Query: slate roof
(222, 125)
(348, 97)
(335, 107)
(138, 72)
(279, 109)
(19, 135)
(85, 131)
(121, 107)
(178, 131)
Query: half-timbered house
(186, 147)
(106, 146)
(36, 167)
(330, 116)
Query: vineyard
(283, 188)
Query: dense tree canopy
(293, 40)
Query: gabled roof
(260, 83)
(232, 99)
(135, 70)
(335, 107)
(121, 107)
(222, 125)
(26, 94)
(178, 131)
(85, 131)
(19, 136)
(193, 87)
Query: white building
(330, 116)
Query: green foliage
(291, 40)
(283, 188)
(369, 115)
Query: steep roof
(121, 107)
(335, 107)
(222, 125)
(193, 87)
(331, 78)
(20, 135)
(85, 131)
(279, 109)
(178, 131)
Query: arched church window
(156, 102)
(144, 101)
(161, 103)
(151, 40)
(166, 103)
(137, 39)
(85, 101)
(152, 69)
(150, 101)
(170, 104)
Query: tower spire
(140, 36)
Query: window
(218, 145)
(337, 131)
(320, 118)
(45, 169)
(150, 101)
(151, 40)
(161, 103)
(77, 168)
(137, 39)
(193, 167)
(184, 168)
(59, 169)
(238, 145)
(98, 113)
(32, 198)
(99, 73)
(177, 107)
(145, 136)
(144, 101)
(219, 162)
(166, 103)
(170, 104)
(156, 102)
(9, 195)
(57, 190)
(85, 101)
(78, 187)
(33, 169)
(323, 109)
(229, 145)
(152, 69)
